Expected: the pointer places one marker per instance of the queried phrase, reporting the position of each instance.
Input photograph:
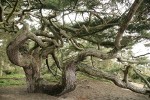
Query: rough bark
(69, 75)
(30, 62)
(67, 84)
(69, 78)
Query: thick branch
(13, 49)
(13, 52)
(131, 61)
(126, 21)
(95, 53)
(33, 37)
(114, 78)
(47, 50)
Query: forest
(49, 46)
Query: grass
(12, 79)
(10, 82)
(19, 79)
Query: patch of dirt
(85, 90)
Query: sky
(140, 49)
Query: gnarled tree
(112, 24)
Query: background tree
(79, 28)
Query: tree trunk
(68, 81)
(69, 78)
(32, 72)
(32, 79)
(31, 62)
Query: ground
(85, 90)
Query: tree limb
(126, 21)
(56, 60)
(114, 78)
(15, 6)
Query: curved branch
(13, 52)
(75, 44)
(114, 78)
(50, 68)
(47, 50)
(95, 53)
(56, 60)
(15, 6)
(13, 48)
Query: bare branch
(36, 39)
(126, 21)
(114, 78)
(130, 61)
(15, 6)
(141, 55)
(56, 60)
(75, 44)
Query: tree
(113, 24)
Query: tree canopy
(71, 31)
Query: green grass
(12, 79)
(13, 76)
(10, 82)
(19, 79)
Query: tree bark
(32, 78)
(30, 62)
(69, 78)
(67, 83)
